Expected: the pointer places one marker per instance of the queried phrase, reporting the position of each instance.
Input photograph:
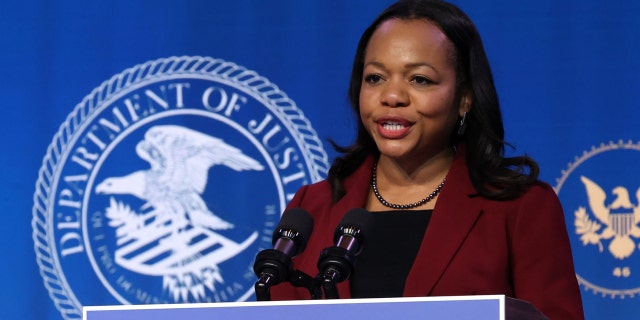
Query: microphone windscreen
(298, 220)
(358, 218)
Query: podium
(481, 307)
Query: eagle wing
(597, 198)
(182, 157)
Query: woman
(453, 216)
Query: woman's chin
(396, 153)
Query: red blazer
(472, 246)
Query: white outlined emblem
(164, 183)
(600, 193)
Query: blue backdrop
(101, 99)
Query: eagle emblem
(174, 233)
(617, 219)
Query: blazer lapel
(453, 218)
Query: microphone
(337, 262)
(273, 266)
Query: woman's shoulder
(537, 196)
(540, 189)
(319, 196)
(319, 186)
(312, 194)
(540, 198)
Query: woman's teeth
(392, 126)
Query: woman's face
(408, 94)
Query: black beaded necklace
(374, 186)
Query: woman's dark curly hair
(493, 175)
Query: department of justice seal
(600, 193)
(165, 182)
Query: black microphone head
(359, 219)
(296, 224)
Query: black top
(382, 267)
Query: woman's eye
(373, 78)
(422, 80)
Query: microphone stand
(301, 279)
(329, 284)
(273, 267)
(262, 288)
(336, 263)
(297, 278)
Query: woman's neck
(399, 172)
(400, 184)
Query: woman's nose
(394, 95)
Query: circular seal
(600, 193)
(165, 182)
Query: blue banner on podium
(487, 307)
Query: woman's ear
(465, 103)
